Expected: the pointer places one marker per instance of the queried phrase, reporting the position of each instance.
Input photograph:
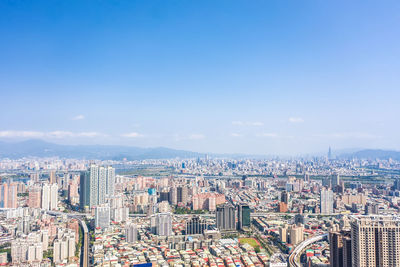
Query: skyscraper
(95, 185)
(335, 181)
(35, 197)
(326, 201)
(163, 224)
(102, 216)
(110, 181)
(131, 232)
(182, 194)
(243, 217)
(53, 196)
(375, 241)
(8, 195)
(340, 248)
(52, 177)
(195, 226)
(45, 203)
(226, 218)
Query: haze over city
(255, 77)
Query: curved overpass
(300, 247)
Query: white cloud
(296, 120)
(236, 135)
(247, 123)
(267, 135)
(78, 117)
(196, 136)
(91, 134)
(23, 134)
(132, 135)
(53, 134)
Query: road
(300, 247)
(84, 259)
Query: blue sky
(265, 77)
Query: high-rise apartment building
(375, 241)
(243, 216)
(53, 197)
(296, 234)
(131, 232)
(162, 223)
(173, 196)
(182, 195)
(340, 248)
(102, 216)
(8, 195)
(195, 226)
(52, 177)
(96, 185)
(326, 201)
(49, 196)
(226, 218)
(35, 197)
(45, 203)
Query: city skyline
(267, 78)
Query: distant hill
(39, 148)
(373, 154)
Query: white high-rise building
(96, 185)
(326, 201)
(45, 204)
(164, 224)
(102, 216)
(64, 246)
(110, 181)
(131, 232)
(53, 196)
(102, 185)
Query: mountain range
(39, 148)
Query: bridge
(300, 247)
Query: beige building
(375, 241)
(296, 234)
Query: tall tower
(329, 153)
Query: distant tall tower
(329, 153)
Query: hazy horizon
(263, 78)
